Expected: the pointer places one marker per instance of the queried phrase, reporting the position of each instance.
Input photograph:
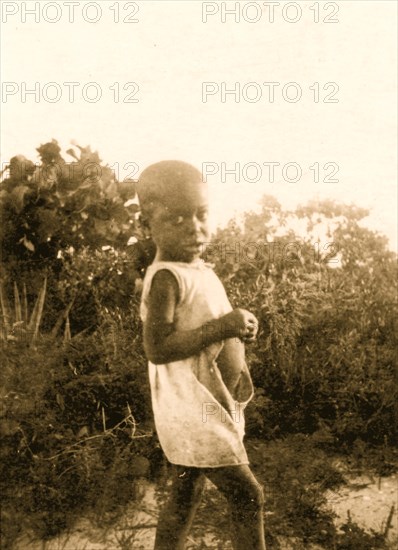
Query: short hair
(162, 179)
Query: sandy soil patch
(368, 501)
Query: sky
(190, 80)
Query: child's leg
(245, 497)
(177, 514)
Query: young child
(199, 380)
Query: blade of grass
(103, 419)
(33, 315)
(42, 298)
(5, 309)
(37, 313)
(67, 334)
(17, 304)
(389, 521)
(25, 312)
(64, 315)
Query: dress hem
(213, 466)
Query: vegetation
(325, 357)
(58, 216)
(75, 418)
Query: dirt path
(368, 501)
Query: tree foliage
(57, 219)
(57, 206)
(325, 356)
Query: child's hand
(241, 323)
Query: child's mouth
(194, 248)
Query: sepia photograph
(198, 275)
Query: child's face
(179, 224)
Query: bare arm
(162, 342)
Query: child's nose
(195, 225)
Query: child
(196, 362)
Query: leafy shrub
(324, 359)
(53, 210)
(57, 205)
(75, 425)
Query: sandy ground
(367, 500)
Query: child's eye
(202, 216)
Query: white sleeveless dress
(198, 422)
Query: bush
(324, 360)
(53, 211)
(75, 424)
